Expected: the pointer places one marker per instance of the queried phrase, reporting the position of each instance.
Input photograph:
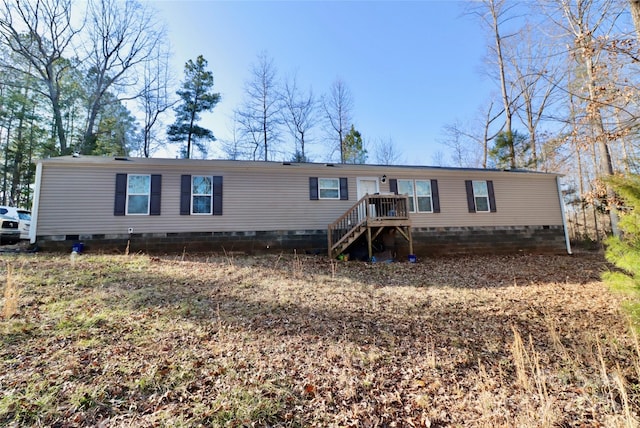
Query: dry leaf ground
(480, 341)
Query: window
(419, 191)
(405, 187)
(329, 188)
(423, 196)
(201, 194)
(480, 196)
(138, 194)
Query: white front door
(367, 185)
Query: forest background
(96, 78)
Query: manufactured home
(171, 205)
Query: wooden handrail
(368, 208)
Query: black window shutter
(313, 188)
(121, 194)
(344, 190)
(393, 185)
(470, 200)
(492, 197)
(217, 195)
(185, 195)
(156, 191)
(435, 196)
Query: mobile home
(169, 205)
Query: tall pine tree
(196, 97)
(353, 148)
(511, 150)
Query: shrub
(624, 251)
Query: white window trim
(411, 196)
(414, 196)
(320, 188)
(473, 187)
(148, 194)
(210, 177)
(430, 196)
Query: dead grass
(10, 306)
(294, 340)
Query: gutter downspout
(564, 218)
(36, 204)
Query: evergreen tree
(196, 97)
(354, 151)
(624, 251)
(511, 150)
(300, 157)
(116, 128)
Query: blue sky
(412, 67)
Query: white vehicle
(9, 233)
(23, 216)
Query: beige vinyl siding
(66, 205)
(81, 200)
(77, 196)
(521, 199)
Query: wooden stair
(349, 238)
(370, 215)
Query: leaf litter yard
(303, 341)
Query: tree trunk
(581, 192)
(265, 137)
(6, 163)
(634, 5)
(605, 163)
(29, 175)
(89, 139)
(57, 118)
(503, 83)
(18, 156)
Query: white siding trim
(36, 204)
(564, 218)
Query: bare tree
(338, 107)
(155, 96)
(260, 115)
(41, 32)
(487, 136)
(494, 14)
(387, 153)
(583, 20)
(233, 147)
(299, 114)
(536, 75)
(458, 137)
(121, 35)
(252, 137)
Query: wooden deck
(371, 215)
